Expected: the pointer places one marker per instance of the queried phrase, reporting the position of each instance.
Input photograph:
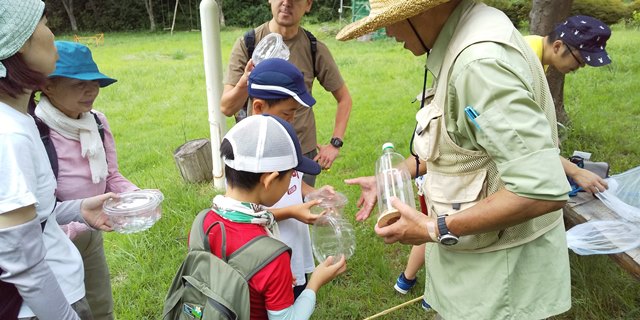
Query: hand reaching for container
(588, 180)
(368, 195)
(302, 212)
(411, 228)
(326, 271)
(92, 213)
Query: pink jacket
(74, 175)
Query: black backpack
(207, 287)
(250, 43)
(44, 130)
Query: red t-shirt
(271, 287)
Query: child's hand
(326, 272)
(302, 212)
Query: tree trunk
(94, 8)
(148, 4)
(545, 14)
(222, 23)
(68, 7)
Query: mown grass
(159, 103)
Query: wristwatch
(336, 142)
(446, 237)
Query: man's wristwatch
(446, 237)
(336, 142)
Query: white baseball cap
(266, 143)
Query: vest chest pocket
(451, 194)
(427, 134)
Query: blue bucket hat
(278, 79)
(589, 35)
(76, 62)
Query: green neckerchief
(244, 212)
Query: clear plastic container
(393, 180)
(271, 46)
(332, 201)
(134, 211)
(331, 234)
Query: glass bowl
(134, 211)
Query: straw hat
(384, 13)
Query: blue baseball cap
(75, 62)
(266, 143)
(589, 35)
(278, 79)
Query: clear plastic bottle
(331, 234)
(271, 46)
(394, 180)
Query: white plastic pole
(210, 19)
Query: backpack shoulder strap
(256, 254)
(198, 238)
(250, 41)
(100, 125)
(314, 49)
(44, 131)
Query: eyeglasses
(580, 63)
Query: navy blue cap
(75, 62)
(278, 79)
(587, 34)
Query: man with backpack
(312, 57)
(248, 276)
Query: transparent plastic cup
(134, 211)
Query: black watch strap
(446, 237)
(336, 142)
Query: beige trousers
(97, 280)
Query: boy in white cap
(261, 153)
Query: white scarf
(246, 212)
(83, 129)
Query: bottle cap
(388, 145)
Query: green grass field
(159, 103)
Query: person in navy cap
(576, 42)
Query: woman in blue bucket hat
(86, 163)
(41, 275)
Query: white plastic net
(613, 236)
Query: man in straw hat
(496, 247)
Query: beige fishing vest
(459, 178)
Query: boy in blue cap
(85, 161)
(276, 87)
(261, 154)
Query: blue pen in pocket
(472, 114)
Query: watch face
(448, 239)
(336, 142)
